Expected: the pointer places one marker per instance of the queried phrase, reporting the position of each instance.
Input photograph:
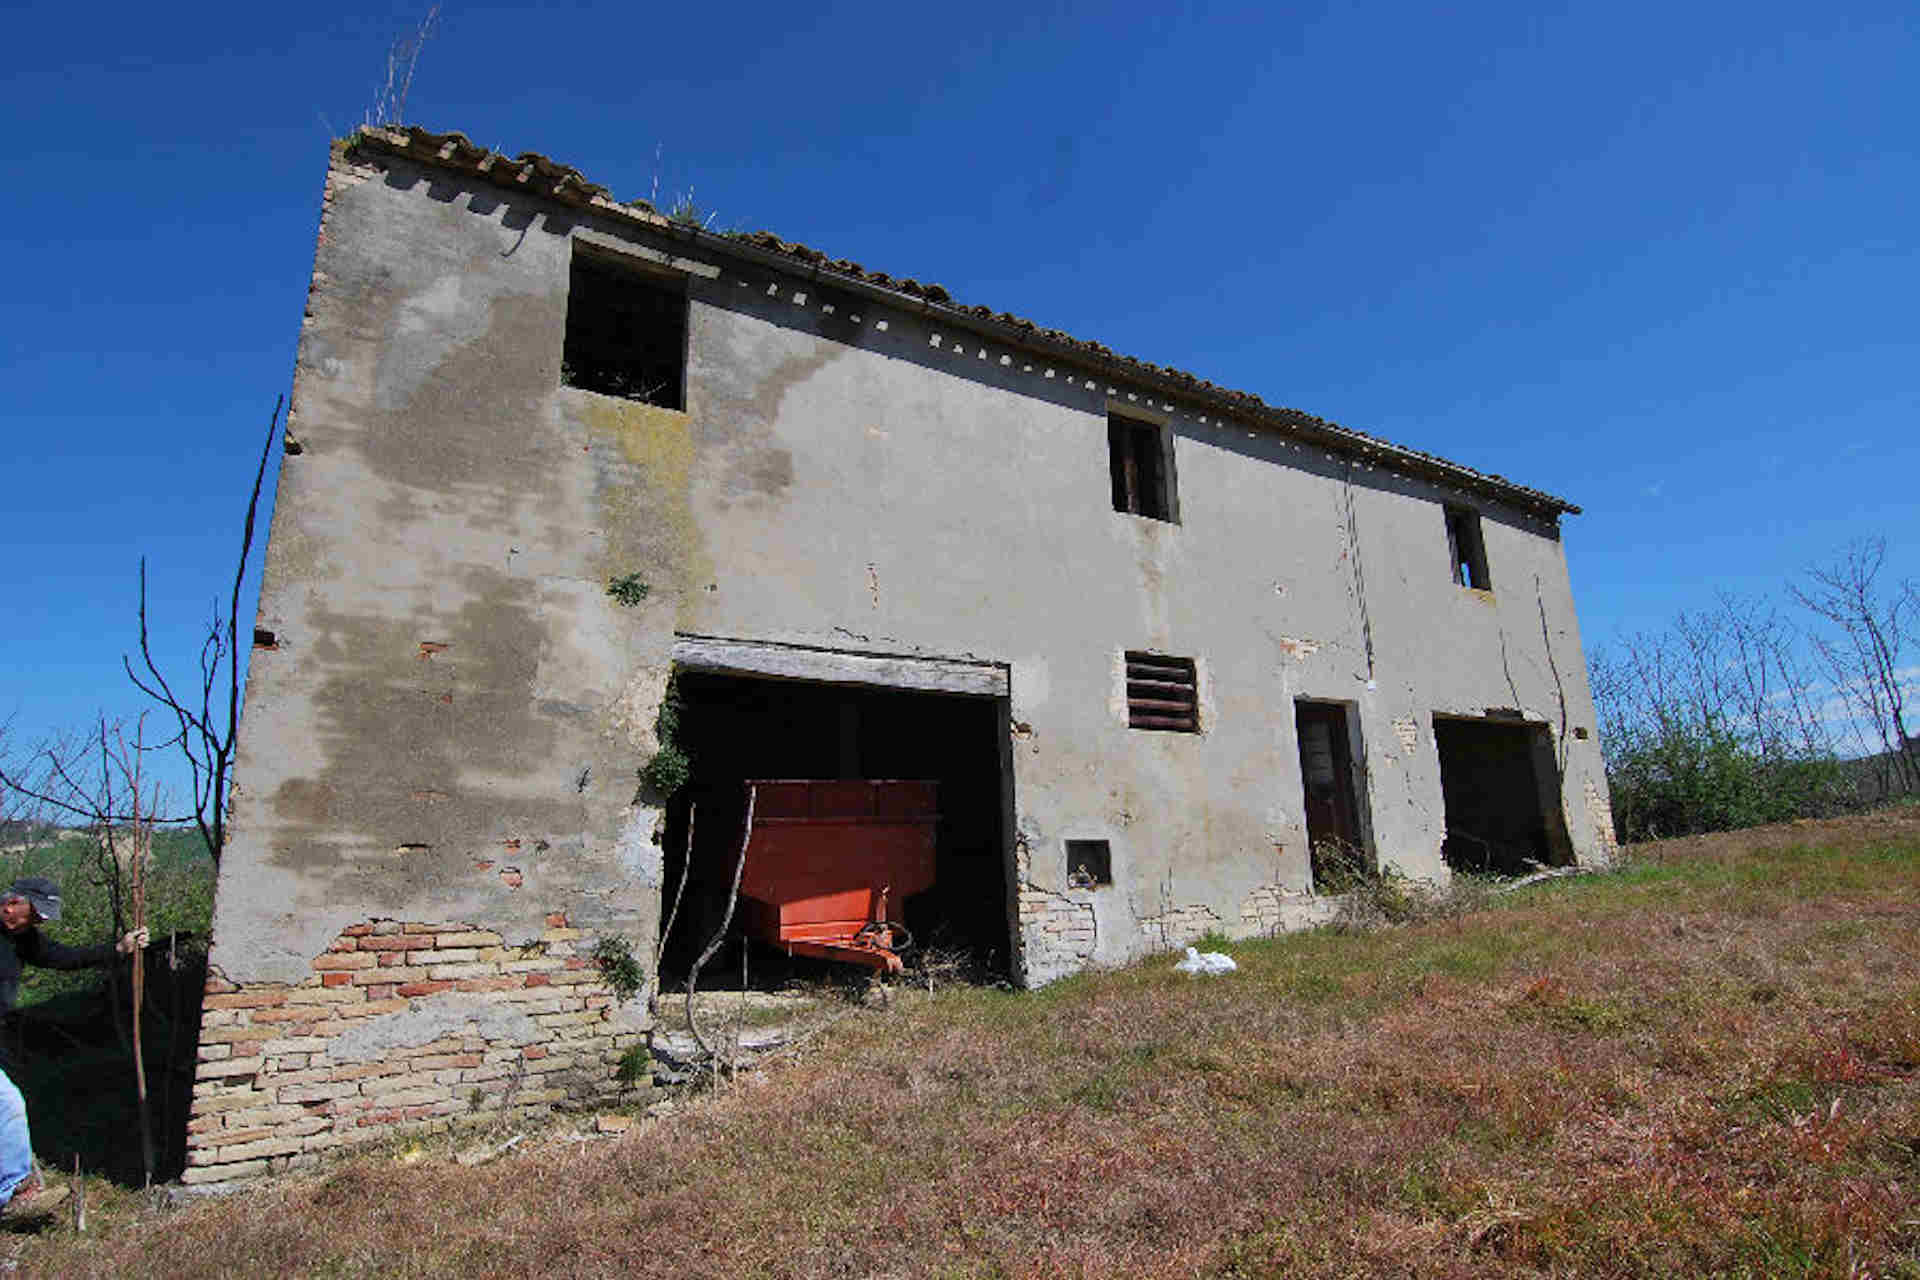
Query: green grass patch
(1623, 1074)
(179, 900)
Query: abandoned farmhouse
(1123, 658)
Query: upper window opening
(1137, 456)
(1162, 693)
(1467, 548)
(626, 334)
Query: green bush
(613, 956)
(635, 1065)
(1684, 778)
(671, 766)
(1725, 719)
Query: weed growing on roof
(689, 212)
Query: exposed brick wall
(1263, 911)
(1058, 928)
(400, 1025)
(1178, 926)
(1273, 909)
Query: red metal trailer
(825, 859)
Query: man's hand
(135, 941)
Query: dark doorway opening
(1501, 783)
(741, 727)
(1337, 827)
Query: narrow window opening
(264, 639)
(1467, 549)
(1338, 828)
(1162, 693)
(1137, 461)
(626, 334)
(1089, 863)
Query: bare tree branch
(207, 730)
(686, 873)
(1873, 631)
(72, 796)
(720, 934)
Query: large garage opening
(1501, 784)
(740, 727)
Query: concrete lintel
(832, 666)
(644, 255)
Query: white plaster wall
(866, 479)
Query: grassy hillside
(179, 899)
(69, 1039)
(1708, 1062)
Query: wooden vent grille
(1162, 693)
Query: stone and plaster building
(1181, 662)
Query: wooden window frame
(1140, 468)
(1467, 549)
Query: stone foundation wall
(400, 1026)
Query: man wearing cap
(32, 900)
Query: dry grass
(1707, 1063)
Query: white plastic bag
(1211, 962)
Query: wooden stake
(136, 874)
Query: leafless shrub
(27, 819)
(1371, 899)
(1870, 633)
(1715, 723)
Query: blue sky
(1659, 259)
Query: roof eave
(541, 176)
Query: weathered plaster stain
(643, 494)
(429, 1020)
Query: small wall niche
(1089, 864)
